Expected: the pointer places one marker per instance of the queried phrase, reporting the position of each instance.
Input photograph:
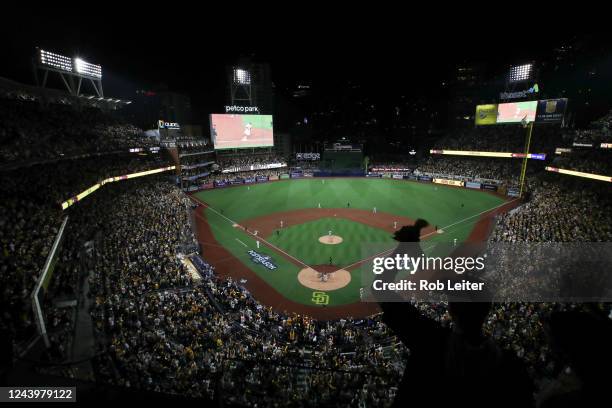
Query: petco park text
(438, 285)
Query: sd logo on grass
(320, 298)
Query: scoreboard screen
(516, 112)
(229, 131)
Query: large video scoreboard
(544, 111)
(233, 131)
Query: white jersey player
(247, 131)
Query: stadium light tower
(241, 92)
(520, 73)
(242, 76)
(72, 71)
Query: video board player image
(241, 131)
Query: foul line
(433, 232)
(363, 260)
(242, 242)
(253, 235)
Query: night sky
(188, 51)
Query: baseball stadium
(314, 227)
(285, 227)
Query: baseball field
(297, 245)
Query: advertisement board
(486, 114)
(551, 110)
(448, 182)
(491, 187)
(513, 192)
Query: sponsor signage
(383, 169)
(520, 94)
(207, 186)
(398, 177)
(513, 192)
(236, 181)
(471, 184)
(448, 182)
(273, 178)
(241, 109)
(220, 183)
(308, 156)
(264, 260)
(562, 150)
(537, 156)
(491, 187)
(373, 175)
(486, 114)
(284, 176)
(93, 188)
(167, 125)
(249, 180)
(606, 146)
(580, 174)
(426, 179)
(551, 110)
(576, 144)
(261, 179)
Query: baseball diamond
(307, 244)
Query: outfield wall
(422, 178)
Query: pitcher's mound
(330, 239)
(336, 279)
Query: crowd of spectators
(249, 161)
(165, 332)
(158, 329)
(33, 132)
(600, 131)
(474, 168)
(558, 211)
(31, 219)
(595, 161)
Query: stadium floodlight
(521, 72)
(242, 76)
(86, 69)
(55, 61)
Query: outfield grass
(439, 205)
